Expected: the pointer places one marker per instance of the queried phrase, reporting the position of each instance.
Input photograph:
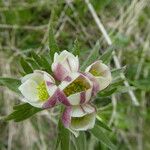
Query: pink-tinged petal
(49, 84)
(96, 86)
(66, 117)
(82, 97)
(62, 98)
(68, 79)
(60, 72)
(52, 101)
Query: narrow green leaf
(11, 83)
(102, 101)
(80, 141)
(100, 123)
(107, 92)
(36, 58)
(102, 137)
(93, 56)
(107, 55)
(46, 65)
(33, 63)
(116, 72)
(63, 137)
(42, 62)
(26, 67)
(22, 112)
(76, 48)
(142, 84)
(116, 83)
(52, 43)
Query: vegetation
(26, 29)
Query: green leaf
(26, 67)
(107, 92)
(63, 137)
(52, 44)
(93, 56)
(42, 62)
(117, 83)
(102, 124)
(80, 141)
(36, 58)
(142, 84)
(76, 48)
(46, 65)
(102, 101)
(107, 55)
(116, 72)
(102, 137)
(22, 112)
(11, 83)
(33, 63)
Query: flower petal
(82, 110)
(29, 91)
(103, 74)
(64, 63)
(59, 71)
(66, 117)
(83, 123)
(78, 97)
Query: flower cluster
(67, 86)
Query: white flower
(39, 89)
(79, 118)
(64, 63)
(76, 89)
(101, 73)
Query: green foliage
(80, 142)
(100, 123)
(41, 62)
(142, 84)
(93, 55)
(26, 67)
(107, 55)
(22, 112)
(76, 48)
(101, 136)
(117, 72)
(52, 43)
(11, 83)
(63, 137)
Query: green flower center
(95, 72)
(42, 91)
(76, 86)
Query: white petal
(105, 79)
(38, 104)
(26, 77)
(85, 123)
(74, 99)
(29, 90)
(82, 110)
(104, 82)
(37, 76)
(55, 56)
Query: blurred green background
(24, 27)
